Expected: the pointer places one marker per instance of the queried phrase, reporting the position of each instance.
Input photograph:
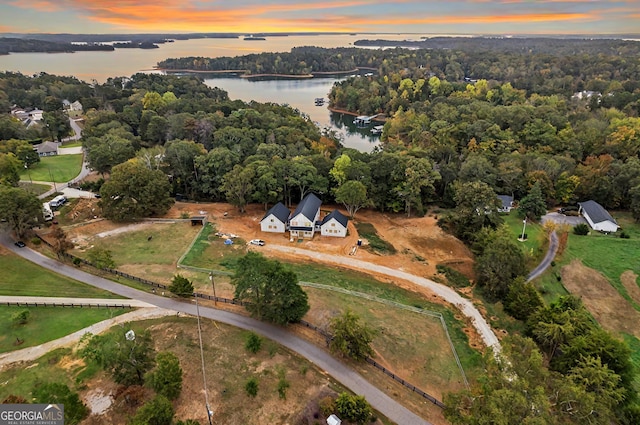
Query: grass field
(22, 277)
(376, 243)
(228, 366)
(58, 168)
(536, 244)
(210, 252)
(47, 323)
(36, 188)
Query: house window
(272, 220)
(333, 224)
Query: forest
(461, 127)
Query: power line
(204, 376)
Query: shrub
(581, 229)
(624, 235)
(327, 405)
(251, 387)
(253, 343)
(74, 409)
(184, 215)
(76, 261)
(181, 286)
(36, 241)
(21, 317)
(283, 384)
(158, 411)
(454, 277)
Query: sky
(503, 17)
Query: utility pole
(215, 301)
(524, 228)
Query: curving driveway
(463, 304)
(347, 376)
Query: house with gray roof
(276, 219)
(506, 203)
(47, 149)
(334, 224)
(598, 218)
(302, 223)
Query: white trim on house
(598, 218)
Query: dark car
(20, 244)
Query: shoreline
(243, 72)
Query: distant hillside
(24, 45)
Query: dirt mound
(612, 311)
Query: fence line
(54, 304)
(328, 337)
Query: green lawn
(36, 188)
(210, 252)
(168, 242)
(59, 169)
(71, 145)
(47, 323)
(22, 277)
(536, 244)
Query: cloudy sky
(251, 16)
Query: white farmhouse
(597, 217)
(276, 219)
(334, 224)
(303, 220)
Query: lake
(300, 94)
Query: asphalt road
(342, 373)
(548, 258)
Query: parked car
(20, 244)
(259, 242)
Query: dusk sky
(251, 16)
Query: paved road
(34, 353)
(345, 375)
(463, 304)
(548, 258)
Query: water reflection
(344, 124)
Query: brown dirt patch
(630, 282)
(612, 311)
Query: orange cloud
(41, 5)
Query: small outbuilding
(334, 224)
(276, 219)
(598, 218)
(333, 420)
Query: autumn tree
(61, 243)
(21, 210)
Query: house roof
(308, 207)
(340, 218)
(279, 211)
(46, 147)
(596, 212)
(506, 200)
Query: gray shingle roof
(340, 218)
(596, 212)
(506, 200)
(279, 211)
(308, 207)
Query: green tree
(353, 408)
(21, 317)
(134, 192)
(522, 299)
(127, 357)
(353, 195)
(533, 205)
(101, 258)
(253, 343)
(271, 292)
(158, 411)
(351, 337)
(55, 393)
(418, 180)
(10, 167)
(251, 387)
(166, 379)
(476, 207)
(499, 264)
(22, 210)
(181, 286)
(237, 185)
(108, 151)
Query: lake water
(300, 94)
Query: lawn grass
(71, 145)
(36, 188)
(58, 168)
(535, 246)
(22, 277)
(47, 323)
(634, 345)
(376, 243)
(168, 241)
(210, 252)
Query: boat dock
(363, 120)
(377, 129)
(319, 101)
